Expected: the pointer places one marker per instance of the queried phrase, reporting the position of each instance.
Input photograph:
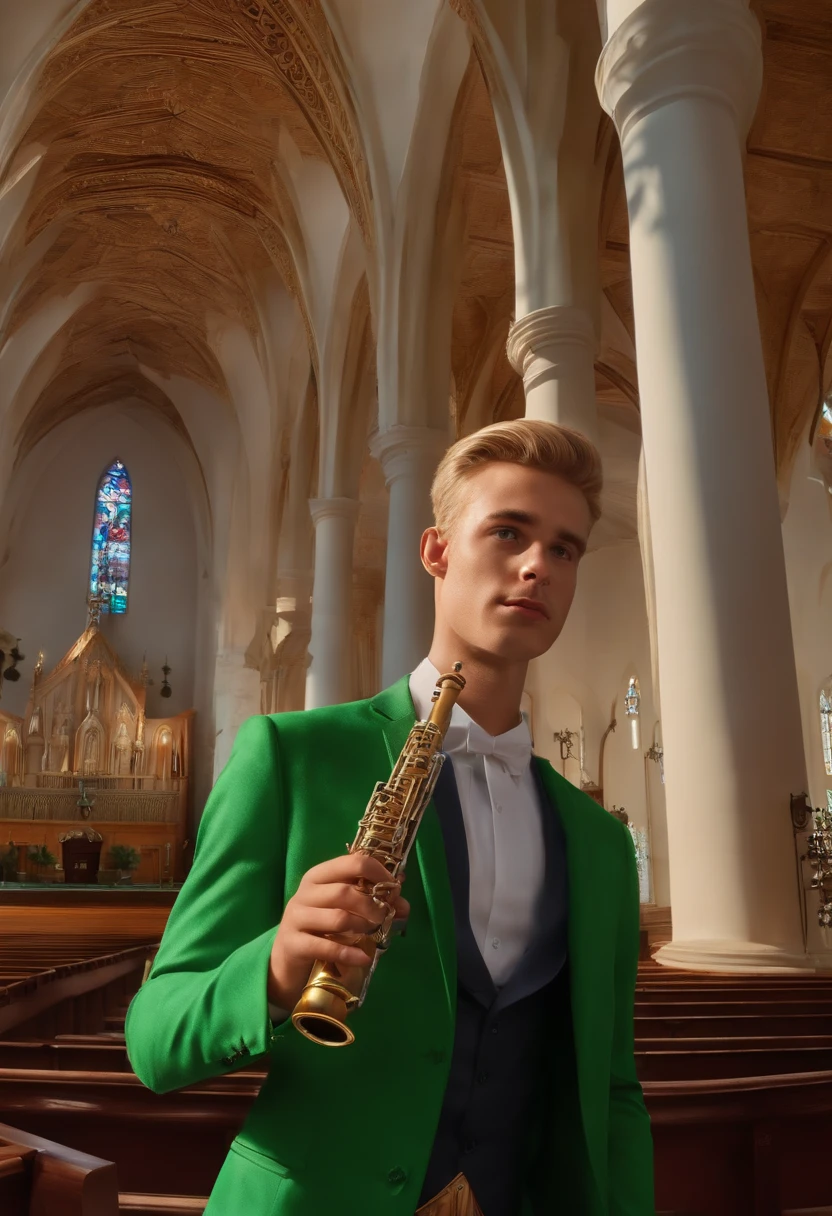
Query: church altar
(84, 755)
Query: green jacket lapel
(589, 963)
(395, 709)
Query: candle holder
(819, 853)
(656, 753)
(564, 738)
(816, 826)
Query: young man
(493, 1060)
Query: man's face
(506, 575)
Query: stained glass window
(110, 565)
(639, 836)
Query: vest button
(396, 1176)
(470, 1146)
(482, 1077)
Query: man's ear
(434, 553)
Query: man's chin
(509, 648)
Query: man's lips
(532, 607)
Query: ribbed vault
(157, 187)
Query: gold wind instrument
(386, 832)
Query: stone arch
(161, 754)
(90, 748)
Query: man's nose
(535, 566)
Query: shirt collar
(422, 686)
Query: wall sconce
(564, 738)
(632, 701)
(165, 690)
(656, 754)
(11, 673)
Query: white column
(328, 680)
(409, 456)
(681, 82)
(553, 349)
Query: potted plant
(125, 859)
(41, 859)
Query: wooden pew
(162, 1205)
(708, 991)
(39, 1176)
(752, 1146)
(114, 1115)
(686, 1026)
(46, 1003)
(735, 1006)
(90, 1056)
(704, 1042)
(733, 1061)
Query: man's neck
(493, 689)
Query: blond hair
(527, 441)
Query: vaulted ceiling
(157, 127)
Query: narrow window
(110, 564)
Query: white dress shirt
(501, 811)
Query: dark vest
(489, 1115)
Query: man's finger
(349, 867)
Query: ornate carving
(110, 807)
(302, 63)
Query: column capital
(403, 449)
(539, 334)
(661, 52)
(333, 508)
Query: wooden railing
(69, 781)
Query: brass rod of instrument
(331, 991)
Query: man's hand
(327, 902)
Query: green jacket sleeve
(204, 1009)
(630, 1165)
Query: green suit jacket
(350, 1130)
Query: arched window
(110, 565)
(824, 431)
(826, 725)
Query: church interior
(261, 263)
